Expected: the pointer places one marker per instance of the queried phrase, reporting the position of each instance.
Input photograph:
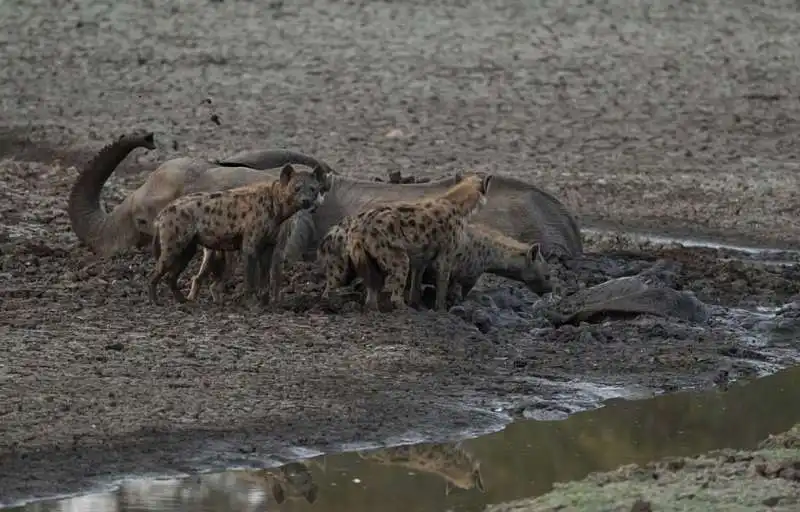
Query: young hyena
(244, 218)
(333, 259)
(386, 243)
(484, 249)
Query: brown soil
(767, 478)
(681, 119)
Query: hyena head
(303, 190)
(477, 479)
(469, 192)
(536, 272)
(294, 481)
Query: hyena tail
(366, 266)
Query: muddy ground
(679, 119)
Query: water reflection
(523, 460)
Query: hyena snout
(540, 284)
(312, 201)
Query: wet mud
(637, 120)
(657, 450)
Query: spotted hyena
(245, 219)
(482, 249)
(332, 256)
(388, 243)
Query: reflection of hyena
(452, 462)
(293, 480)
(290, 481)
(388, 242)
(244, 218)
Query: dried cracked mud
(680, 119)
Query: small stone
(586, 337)
(482, 320)
(486, 301)
(459, 311)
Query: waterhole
(523, 460)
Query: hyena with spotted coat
(482, 249)
(245, 219)
(387, 243)
(218, 265)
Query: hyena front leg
(277, 267)
(415, 287)
(159, 270)
(269, 260)
(397, 266)
(443, 266)
(251, 245)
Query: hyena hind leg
(205, 271)
(373, 275)
(176, 269)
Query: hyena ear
(320, 174)
(534, 252)
(485, 182)
(286, 174)
(457, 177)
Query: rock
(459, 311)
(482, 320)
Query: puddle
(524, 459)
(695, 242)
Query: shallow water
(692, 242)
(523, 460)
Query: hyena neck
(279, 206)
(464, 208)
(503, 257)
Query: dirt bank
(675, 118)
(764, 479)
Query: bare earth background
(682, 118)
